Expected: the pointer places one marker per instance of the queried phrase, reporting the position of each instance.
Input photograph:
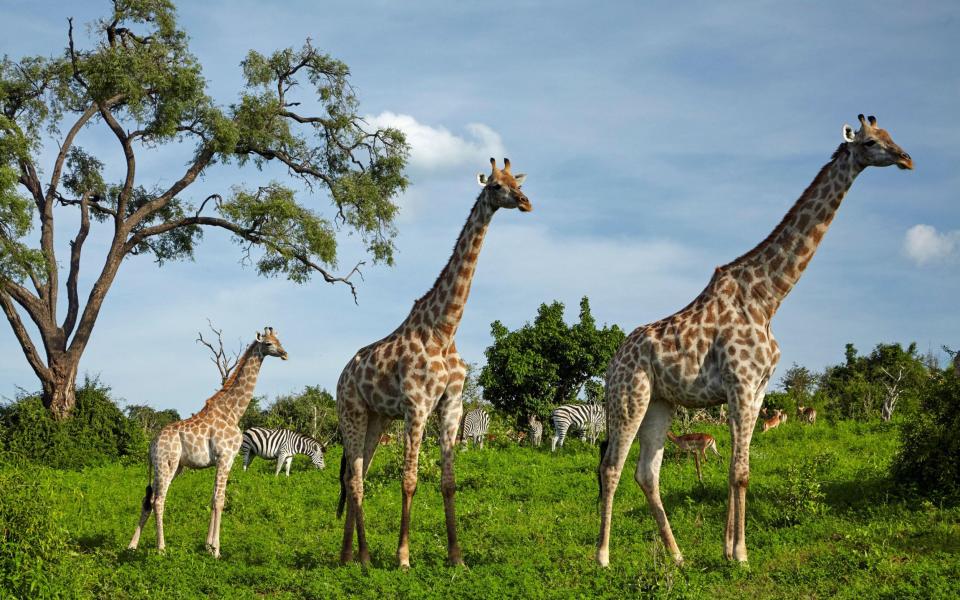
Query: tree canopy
(139, 83)
(546, 363)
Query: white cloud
(434, 148)
(923, 244)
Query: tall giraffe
(412, 372)
(719, 348)
(210, 437)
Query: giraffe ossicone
(209, 438)
(719, 348)
(413, 372)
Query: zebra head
(316, 456)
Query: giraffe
(411, 373)
(210, 437)
(719, 349)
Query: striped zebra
(588, 419)
(475, 426)
(281, 444)
(534, 430)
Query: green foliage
(546, 363)
(150, 420)
(858, 388)
(801, 498)
(99, 432)
(32, 534)
(929, 455)
(310, 412)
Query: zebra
(475, 425)
(586, 418)
(534, 430)
(280, 444)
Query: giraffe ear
(481, 179)
(848, 134)
(259, 337)
(520, 178)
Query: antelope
(698, 443)
(807, 413)
(774, 421)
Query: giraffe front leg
(451, 410)
(744, 408)
(415, 423)
(219, 497)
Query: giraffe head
(270, 343)
(873, 147)
(502, 188)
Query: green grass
(527, 520)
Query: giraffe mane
(841, 152)
(232, 378)
(455, 242)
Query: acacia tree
(142, 87)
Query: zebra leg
(479, 439)
(280, 460)
(289, 462)
(627, 401)
(559, 433)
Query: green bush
(929, 455)
(801, 496)
(98, 432)
(31, 534)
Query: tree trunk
(59, 392)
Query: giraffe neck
(781, 258)
(237, 391)
(440, 309)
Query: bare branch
(75, 247)
(131, 161)
(225, 363)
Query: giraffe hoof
(346, 558)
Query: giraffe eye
(869, 142)
(497, 186)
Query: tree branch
(251, 235)
(75, 247)
(29, 350)
(128, 155)
(224, 363)
(203, 158)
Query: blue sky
(660, 141)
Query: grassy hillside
(822, 522)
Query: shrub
(31, 534)
(929, 455)
(97, 433)
(802, 496)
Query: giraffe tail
(603, 453)
(342, 501)
(147, 504)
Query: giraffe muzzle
(905, 162)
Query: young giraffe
(210, 437)
(412, 372)
(719, 348)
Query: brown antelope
(807, 413)
(698, 443)
(775, 421)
